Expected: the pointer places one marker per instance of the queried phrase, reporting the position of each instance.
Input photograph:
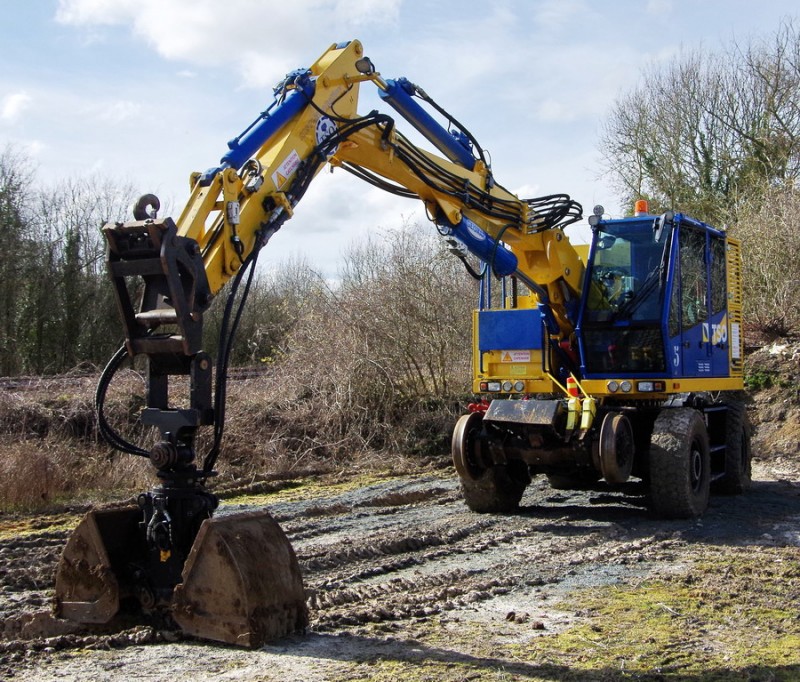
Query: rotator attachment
(232, 579)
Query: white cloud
(94, 11)
(527, 190)
(554, 110)
(659, 7)
(35, 148)
(119, 111)
(261, 40)
(13, 106)
(553, 14)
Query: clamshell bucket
(87, 586)
(241, 583)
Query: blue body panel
(698, 351)
(519, 329)
(702, 350)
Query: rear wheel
(737, 476)
(487, 487)
(679, 464)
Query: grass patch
(732, 616)
(311, 488)
(24, 527)
(759, 379)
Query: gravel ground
(404, 582)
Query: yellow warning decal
(515, 356)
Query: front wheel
(679, 464)
(487, 487)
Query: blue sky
(146, 91)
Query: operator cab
(654, 303)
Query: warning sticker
(736, 348)
(283, 172)
(515, 356)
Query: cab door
(717, 331)
(693, 284)
(697, 320)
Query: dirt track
(405, 583)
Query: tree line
(401, 306)
(56, 310)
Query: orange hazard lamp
(641, 207)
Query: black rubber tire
(738, 456)
(679, 464)
(498, 490)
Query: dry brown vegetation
(50, 453)
(372, 372)
(281, 423)
(770, 234)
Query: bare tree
(70, 308)
(709, 130)
(378, 355)
(56, 306)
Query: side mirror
(663, 221)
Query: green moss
(23, 527)
(732, 616)
(759, 379)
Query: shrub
(770, 232)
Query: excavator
(590, 366)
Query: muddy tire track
(398, 554)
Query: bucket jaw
(240, 583)
(87, 588)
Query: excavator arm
(236, 206)
(167, 552)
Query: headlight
(612, 386)
(650, 386)
(626, 386)
(519, 386)
(507, 386)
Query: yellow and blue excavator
(591, 367)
